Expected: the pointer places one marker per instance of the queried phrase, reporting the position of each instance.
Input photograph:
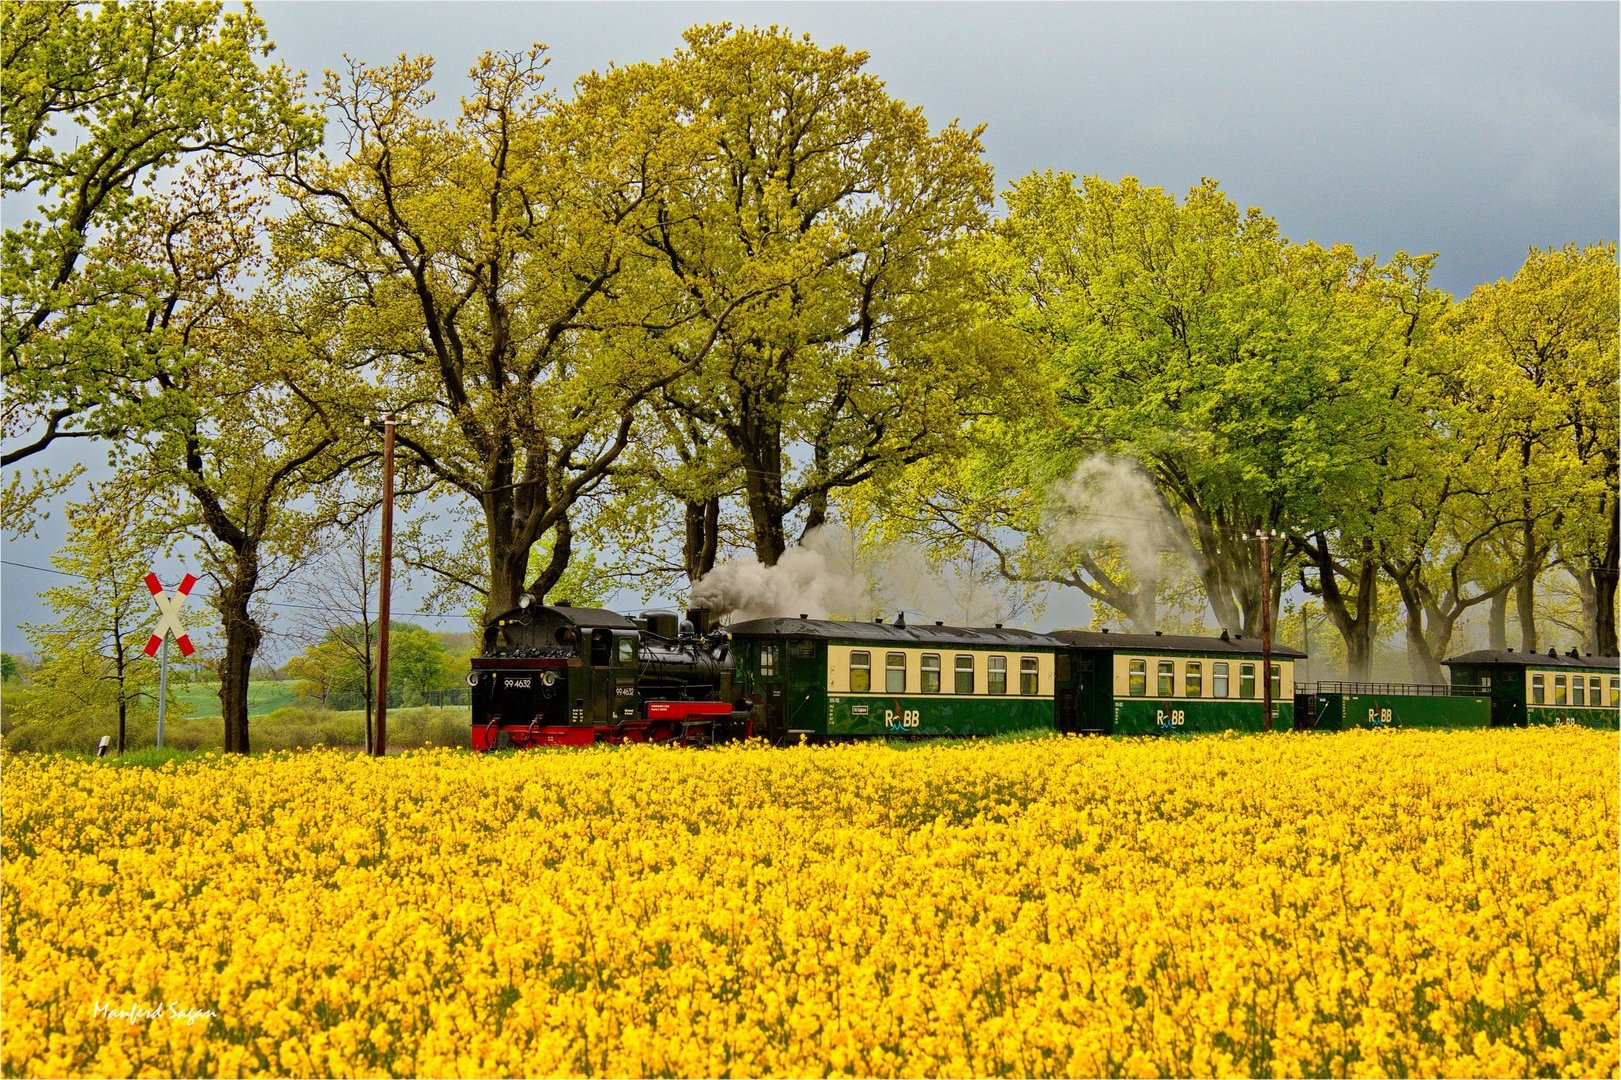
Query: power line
(266, 603)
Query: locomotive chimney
(701, 620)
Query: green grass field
(202, 699)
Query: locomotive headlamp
(526, 600)
(472, 678)
(549, 679)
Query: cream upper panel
(1609, 687)
(1179, 669)
(838, 668)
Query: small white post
(101, 747)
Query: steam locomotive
(575, 676)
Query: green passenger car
(819, 677)
(1136, 684)
(1338, 706)
(1544, 688)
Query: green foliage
(93, 655)
(819, 229)
(285, 729)
(99, 99)
(8, 667)
(332, 674)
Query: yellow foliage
(1361, 904)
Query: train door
(1064, 693)
(805, 693)
(771, 676)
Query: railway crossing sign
(169, 615)
(168, 623)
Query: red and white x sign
(169, 614)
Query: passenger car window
(895, 672)
(1218, 678)
(996, 674)
(1167, 678)
(1559, 697)
(1246, 680)
(1277, 681)
(1137, 683)
(1194, 683)
(931, 673)
(1578, 690)
(1539, 690)
(1029, 671)
(965, 674)
(860, 671)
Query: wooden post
(1266, 626)
(380, 744)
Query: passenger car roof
(1522, 659)
(890, 634)
(1177, 643)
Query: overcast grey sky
(1473, 130)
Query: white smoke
(832, 574)
(1109, 505)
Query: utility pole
(1265, 537)
(379, 746)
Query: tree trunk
(1606, 576)
(1357, 631)
(702, 544)
(764, 487)
(1525, 597)
(242, 639)
(1497, 624)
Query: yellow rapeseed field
(1365, 904)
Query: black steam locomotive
(574, 676)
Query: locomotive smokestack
(701, 619)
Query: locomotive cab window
(895, 673)
(1137, 681)
(1167, 678)
(1246, 680)
(931, 673)
(1028, 675)
(1218, 678)
(1194, 682)
(1539, 690)
(965, 673)
(860, 672)
(769, 659)
(996, 673)
(626, 646)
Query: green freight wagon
(1136, 684)
(820, 677)
(1338, 706)
(1544, 688)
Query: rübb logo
(905, 718)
